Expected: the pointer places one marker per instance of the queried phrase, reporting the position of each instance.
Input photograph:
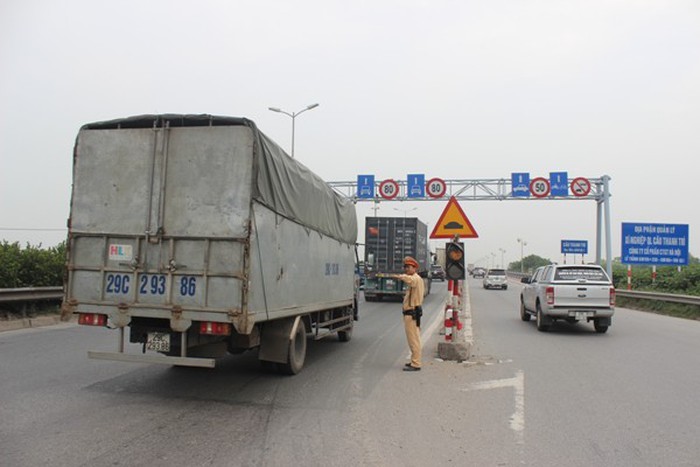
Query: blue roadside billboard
(578, 247)
(655, 244)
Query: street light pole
(375, 207)
(522, 244)
(294, 116)
(502, 251)
(405, 211)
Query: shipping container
(388, 240)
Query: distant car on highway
(496, 279)
(437, 272)
(478, 273)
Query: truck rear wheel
(542, 322)
(297, 351)
(600, 328)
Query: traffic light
(454, 261)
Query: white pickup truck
(569, 292)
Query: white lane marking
(437, 320)
(517, 420)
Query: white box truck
(196, 235)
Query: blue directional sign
(415, 185)
(520, 183)
(577, 247)
(365, 186)
(655, 244)
(559, 182)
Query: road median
(458, 347)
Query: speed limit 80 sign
(436, 188)
(389, 189)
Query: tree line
(31, 266)
(669, 279)
(34, 266)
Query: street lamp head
(405, 211)
(293, 116)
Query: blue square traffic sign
(559, 181)
(415, 186)
(365, 186)
(520, 183)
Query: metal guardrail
(662, 297)
(31, 294)
(642, 295)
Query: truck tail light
(215, 329)
(92, 319)
(612, 296)
(549, 292)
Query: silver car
(496, 278)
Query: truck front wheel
(524, 315)
(345, 336)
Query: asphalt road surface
(567, 397)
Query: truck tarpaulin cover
(283, 184)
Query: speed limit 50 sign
(540, 187)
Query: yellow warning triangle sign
(453, 222)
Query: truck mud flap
(274, 341)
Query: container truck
(195, 236)
(388, 240)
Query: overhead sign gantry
(557, 186)
(520, 187)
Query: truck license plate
(581, 314)
(158, 341)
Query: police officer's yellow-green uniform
(412, 298)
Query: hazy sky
(452, 89)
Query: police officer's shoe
(410, 367)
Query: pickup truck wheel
(540, 320)
(600, 328)
(297, 352)
(524, 315)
